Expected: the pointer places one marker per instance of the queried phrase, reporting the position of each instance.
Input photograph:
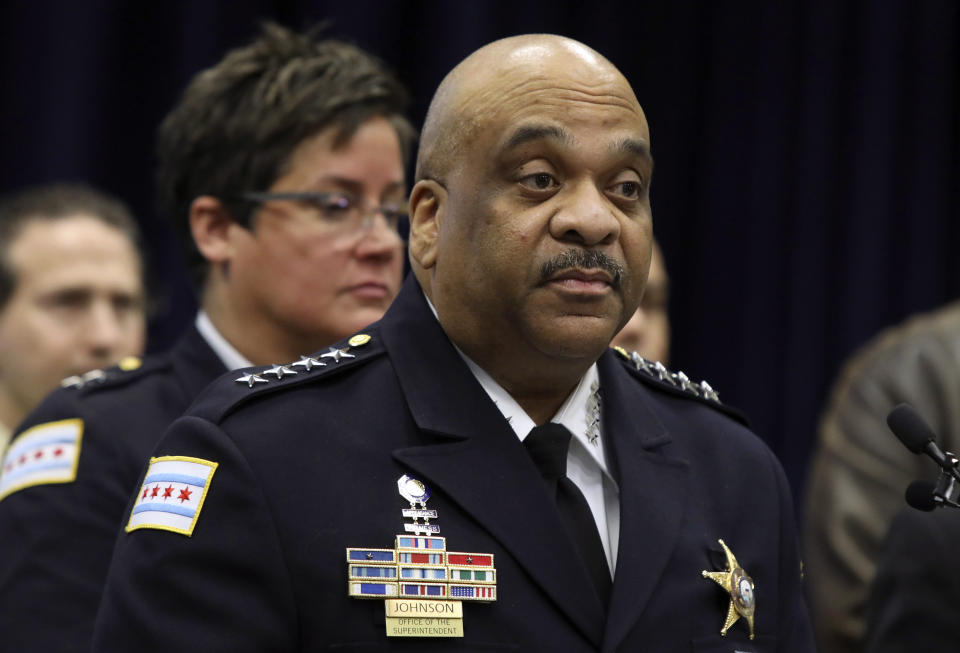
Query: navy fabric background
(807, 152)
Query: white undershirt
(586, 463)
(227, 353)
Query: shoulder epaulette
(656, 374)
(240, 386)
(123, 370)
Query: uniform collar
(227, 353)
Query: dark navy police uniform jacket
(56, 538)
(295, 470)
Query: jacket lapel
(479, 462)
(652, 496)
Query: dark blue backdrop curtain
(806, 153)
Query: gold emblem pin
(129, 363)
(358, 340)
(739, 586)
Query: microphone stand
(946, 492)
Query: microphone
(917, 436)
(919, 495)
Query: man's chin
(580, 338)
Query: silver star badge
(686, 384)
(251, 379)
(337, 354)
(641, 363)
(308, 363)
(709, 392)
(280, 371)
(663, 373)
(94, 375)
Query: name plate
(418, 608)
(424, 627)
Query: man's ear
(210, 225)
(428, 201)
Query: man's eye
(69, 300)
(627, 189)
(539, 181)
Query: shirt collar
(227, 353)
(573, 414)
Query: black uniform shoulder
(655, 374)
(127, 371)
(238, 387)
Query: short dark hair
(55, 202)
(239, 121)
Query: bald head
(468, 96)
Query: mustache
(582, 258)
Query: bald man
(477, 471)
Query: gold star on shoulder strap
(740, 588)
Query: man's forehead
(630, 142)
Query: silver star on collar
(72, 382)
(337, 354)
(686, 384)
(251, 379)
(709, 392)
(308, 363)
(641, 363)
(663, 373)
(280, 371)
(94, 375)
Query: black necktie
(547, 446)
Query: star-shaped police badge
(740, 587)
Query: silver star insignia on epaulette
(663, 373)
(280, 371)
(94, 375)
(72, 382)
(251, 379)
(337, 354)
(308, 363)
(641, 363)
(709, 392)
(686, 384)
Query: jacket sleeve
(795, 633)
(56, 539)
(913, 602)
(224, 587)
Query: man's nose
(103, 329)
(586, 217)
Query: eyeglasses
(341, 211)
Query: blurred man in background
(648, 331)
(283, 169)
(71, 292)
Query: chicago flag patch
(172, 494)
(46, 453)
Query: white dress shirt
(226, 352)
